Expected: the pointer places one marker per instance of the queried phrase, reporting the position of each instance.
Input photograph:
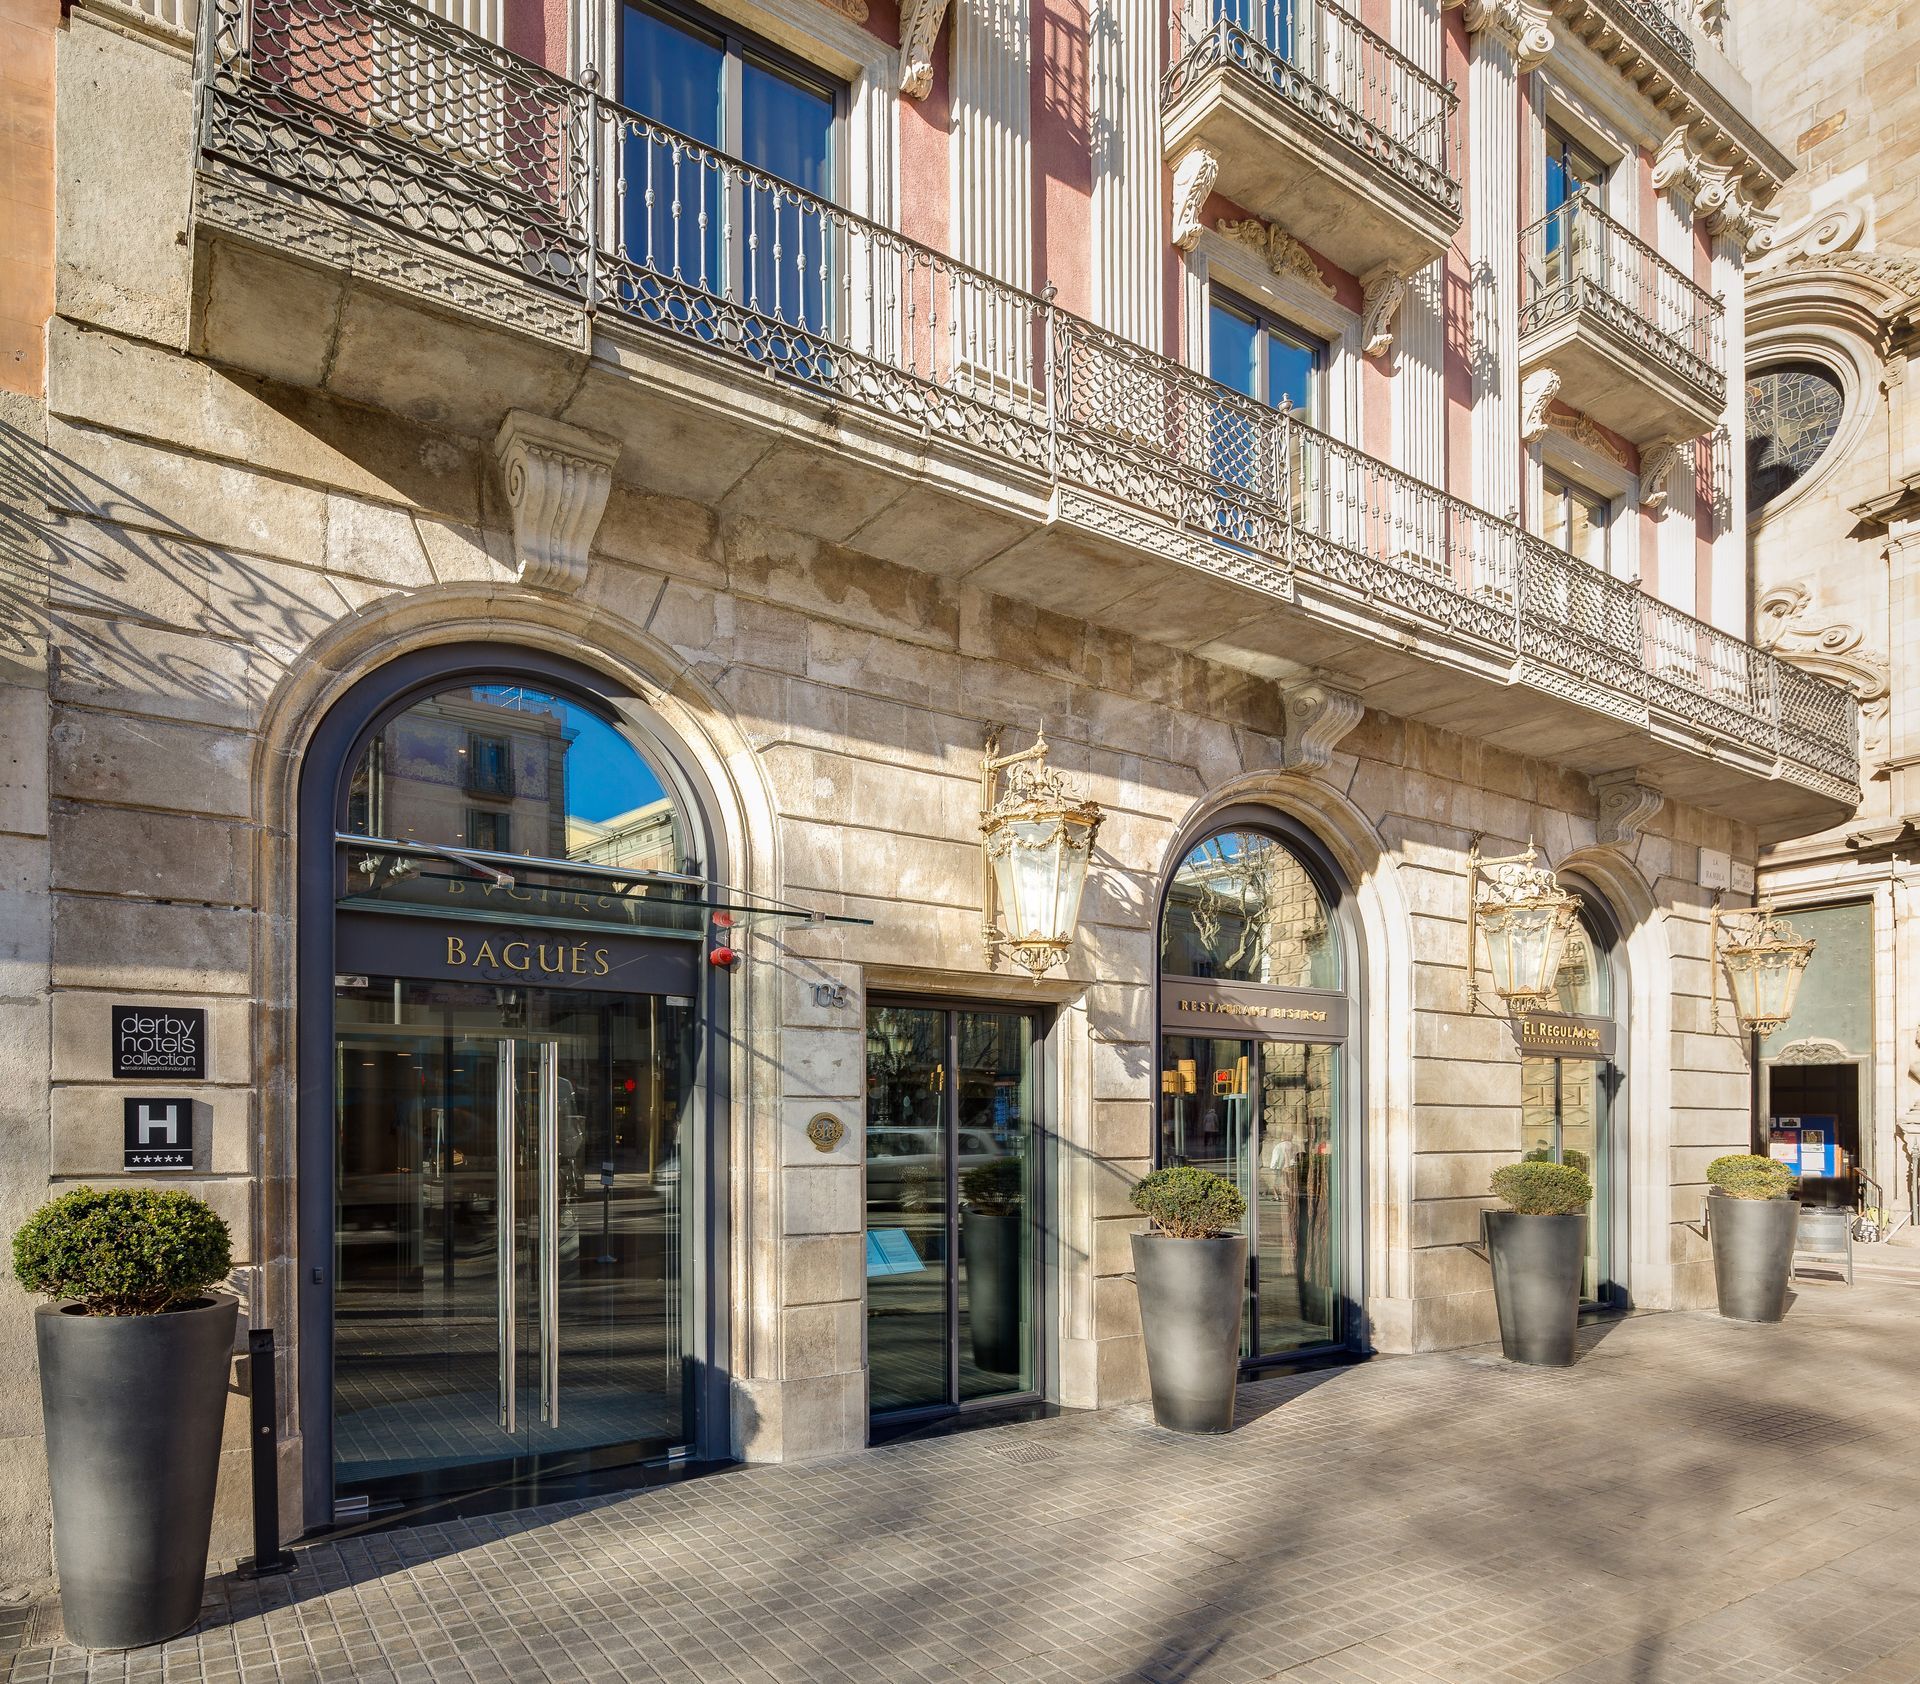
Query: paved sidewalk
(1696, 1501)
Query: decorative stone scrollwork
(1386, 291)
(1282, 253)
(1835, 651)
(1318, 716)
(1821, 234)
(1585, 431)
(1626, 804)
(1536, 393)
(1813, 1049)
(1193, 179)
(1710, 18)
(1521, 24)
(556, 480)
(1675, 167)
(1657, 462)
(920, 22)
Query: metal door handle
(550, 1233)
(506, 1101)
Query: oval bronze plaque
(826, 1131)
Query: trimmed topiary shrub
(1185, 1203)
(128, 1251)
(1744, 1175)
(995, 1188)
(1535, 1188)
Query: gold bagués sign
(527, 958)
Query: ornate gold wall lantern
(1764, 958)
(1526, 918)
(1035, 842)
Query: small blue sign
(890, 1252)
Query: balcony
(393, 211)
(1318, 126)
(1637, 344)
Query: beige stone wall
(221, 557)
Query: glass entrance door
(952, 1208)
(508, 1229)
(1262, 1114)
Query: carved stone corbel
(556, 478)
(1318, 716)
(1676, 168)
(1536, 394)
(1192, 181)
(1627, 802)
(920, 22)
(1657, 462)
(1521, 24)
(1385, 292)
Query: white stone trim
(990, 177)
(1128, 267)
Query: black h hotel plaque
(159, 1134)
(165, 1041)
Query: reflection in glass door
(1262, 1114)
(508, 1227)
(952, 1207)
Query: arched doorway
(1574, 1103)
(1258, 967)
(507, 1161)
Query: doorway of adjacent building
(953, 1208)
(508, 1228)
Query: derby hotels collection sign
(163, 1041)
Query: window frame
(1554, 483)
(1269, 323)
(737, 44)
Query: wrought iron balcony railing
(393, 115)
(1670, 22)
(1317, 56)
(1577, 258)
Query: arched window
(1793, 412)
(507, 1087)
(1254, 1078)
(1573, 1109)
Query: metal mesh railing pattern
(1578, 258)
(382, 109)
(1317, 56)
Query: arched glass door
(517, 966)
(1571, 1106)
(1253, 1071)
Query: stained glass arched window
(1793, 412)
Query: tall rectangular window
(753, 236)
(489, 831)
(1576, 243)
(1577, 520)
(1255, 353)
(489, 764)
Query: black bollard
(268, 1558)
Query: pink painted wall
(925, 138)
(537, 29)
(1062, 153)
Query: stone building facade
(1833, 464)
(428, 439)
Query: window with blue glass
(1574, 174)
(1265, 359)
(736, 216)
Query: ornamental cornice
(1281, 252)
(1521, 25)
(1718, 132)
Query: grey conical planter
(1537, 1263)
(1752, 1254)
(134, 1407)
(1192, 1295)
(991, 1243)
